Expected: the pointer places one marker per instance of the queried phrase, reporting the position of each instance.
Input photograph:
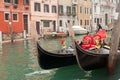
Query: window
(106, 19)
(68, 10)
(87, 22)
(85, 10)
(54, 9)
(80, 9)
(7, 16)
(73, 9)
(73, 22)
(80, 22)
(36, 6)
(7, 1)
(15, 16)
(94, 8)
(15, 1)
(95, 20)
(60, 22)
(68, 21)
(90, 11)
(60, 9)
(46, 23)
(100, 20)
(46, 8)
(26, 2)
(38, 27)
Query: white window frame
(17, 17)
(7, 2)
(25, 2)
(54, 9)
(37, 6)
(4, 16)
(13, 1)
(46, 8)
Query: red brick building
(15, 14)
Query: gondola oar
(72, 35)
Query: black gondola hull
(48, 60)
(90, 61)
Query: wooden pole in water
(35, 36)
(114, 43)
(0, 37)
(71, 34)
(11, 32)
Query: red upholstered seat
(96, 38)
(87, 42)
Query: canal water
(17, 62)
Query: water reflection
(17, 62)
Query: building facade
(67, 13)
(103, 12)
(14, 15)
(84, 13)
(44, 15)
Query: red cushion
(102, 33)
(87, 40)
(96, 37)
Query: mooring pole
(114, 42)
(11, 33)
(0, 37)
(24, 34)
(35, 36)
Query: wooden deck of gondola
(63, 51)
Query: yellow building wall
(82, 16)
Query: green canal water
(17, 62)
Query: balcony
(74, 2)
(26, 6)
(68, 13)
(15, 5)
(73, 14)
(61, 14)
(6, 4)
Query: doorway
(25, 22)
(97, 20)
(38, 27)
(106, 19)
(54, 25)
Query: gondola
(56, 59)
(90, 60)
